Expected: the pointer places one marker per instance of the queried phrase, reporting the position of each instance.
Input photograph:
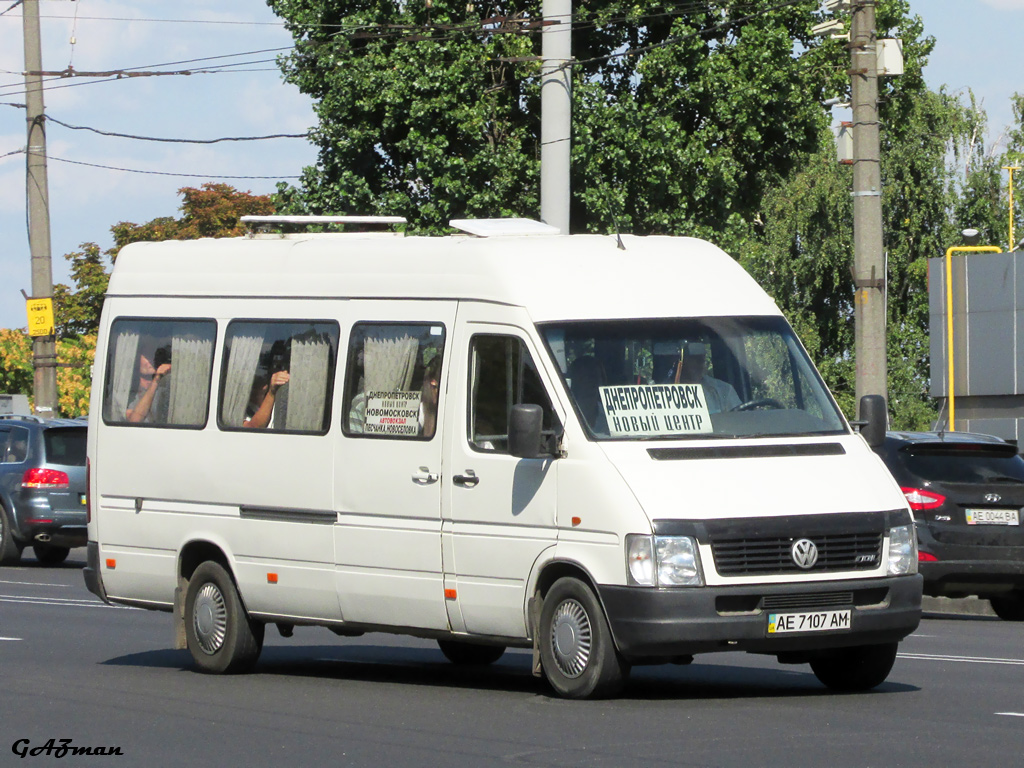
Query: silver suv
(42, 487)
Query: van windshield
(691, 378)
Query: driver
(692, 369)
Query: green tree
(431, 110)
(804, 253)
(213, 210)
(77, 310)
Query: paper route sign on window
(655, 409)
(392, 413)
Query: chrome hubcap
(571, 638)
(210, 618)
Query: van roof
(560, 277)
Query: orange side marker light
(111, 563)
(271, 578)
(576, 521)
(450, 594)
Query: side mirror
(874, 419)
(524, 431)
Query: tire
(221, 636)
(470, 654)
(10, 550)
(48, 554)
(577, 651)
(1009, 607)
(860, 668)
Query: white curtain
(307, 386)
(125, 370)
(388, 364)
(191, 358)
(238, 384)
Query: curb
(962, 606)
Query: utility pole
(44, 348)
(556, 113)
(869, 265)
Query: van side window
(158, 372)
(393, 382)
(502, 374)
(278, 375)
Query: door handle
(424, 476)
(468, 480)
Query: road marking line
(34, 584)
(1011, 714)
(10, 638)
(60, 602)
(967, 659)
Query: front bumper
(665, 623)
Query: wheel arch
(191, 555)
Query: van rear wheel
(470, 654)
(221, 636)
(577, 652)
(860, 668)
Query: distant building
(16, 405)
(988, 334)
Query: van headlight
(902, 550)
(663, 561)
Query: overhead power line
(52, 119)
(162, 173)
(11, 7)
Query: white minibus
(610, 450)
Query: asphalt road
(105, 677)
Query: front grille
(770, 555)
(816, 601)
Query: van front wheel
(221, 636)
(860, 668)
(576, 647)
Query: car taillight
(922, 499)
(45, 478)
(88, 490)
(926, 557)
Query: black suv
(966, 492)
(42, 487)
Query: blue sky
(248, 99)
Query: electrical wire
(158, 173)
(51, 119)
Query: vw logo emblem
(805, 553)
(993, 498)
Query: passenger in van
(263, 415)
(152, 398)
(430, 394)
(719, 395)
(586, 374)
